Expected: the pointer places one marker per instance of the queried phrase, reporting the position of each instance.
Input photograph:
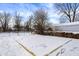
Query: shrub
(76, 36)
(70, 35)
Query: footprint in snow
(61, 51)
(42, 46)
(74, 48)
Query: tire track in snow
(57, 48)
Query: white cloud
(52, 13)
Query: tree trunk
(73, 16)
(69, 19)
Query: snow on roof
(64, 24)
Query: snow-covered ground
(27, 44)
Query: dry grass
(57, 48)
(33, 54)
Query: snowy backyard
(27, 44)
(39, 29)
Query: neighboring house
(67, 27)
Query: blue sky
(25, 10)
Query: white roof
(73, 23)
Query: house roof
(65, 24)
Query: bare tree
(63, 19)
(40, 20)
(28, 24)
(68, 9)
(17, 25)
(4, 20)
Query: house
(67, 27)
